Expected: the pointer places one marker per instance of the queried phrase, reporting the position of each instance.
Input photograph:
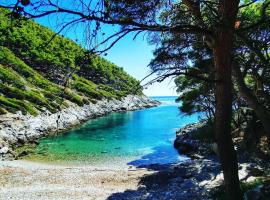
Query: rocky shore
(199, 178)
(17, 129)
(205, 171)
(186, 144)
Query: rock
(4, 150)
(184, 147)
(256, 172)
(176, 181)
(186, 144)
(23, 153)
(2, 143)
(35, 142)
(254, 194)
(187, 184)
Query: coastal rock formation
(20, 129)
(207, 175)
(185, 143)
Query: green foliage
(58, 56)
(72, 96)
(29, 40)
(94, 91)
(13, 105)
(108, 89)
(32, 66)
(100, 71)
(87, 89)
(10, 77)
(196, 95)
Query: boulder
(4, 150)
(184, 147)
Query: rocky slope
(20, 129)
(207, 175)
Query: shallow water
(133, 138)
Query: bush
(13, 105)
(9, 76)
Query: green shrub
(88, 90)
(72, 96)
(9, 76)
(13, 105)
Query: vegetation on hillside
(34, 70)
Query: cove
(135, 138)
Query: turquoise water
(132, 138)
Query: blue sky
(133, 55)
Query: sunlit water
(133, 138)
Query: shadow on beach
(189, 179)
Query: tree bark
(260, 110)
(228, 158)
(222, 52)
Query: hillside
(33, 71)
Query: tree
(253, 61)
(248, 62)
(212, 20)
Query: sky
(133, 55)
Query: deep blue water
(134, 138)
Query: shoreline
(19, 130)
(195, 179)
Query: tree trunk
(222, 52)
(228, 158)
(260, 110)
